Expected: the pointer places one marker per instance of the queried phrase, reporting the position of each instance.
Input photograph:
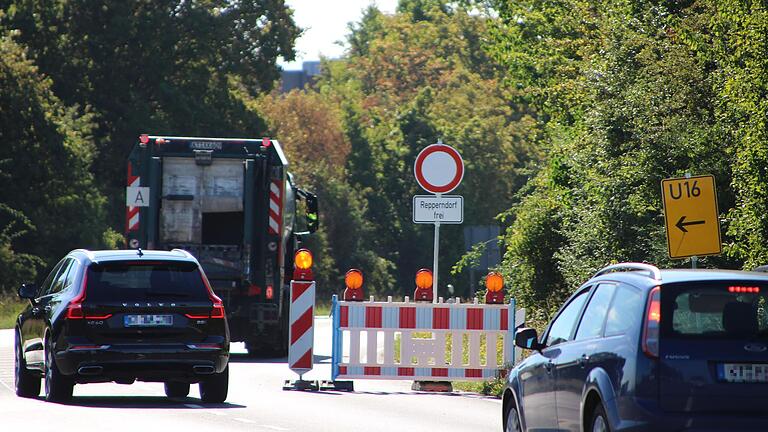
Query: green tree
(621, 100)
(46, 157)
(166, 67)
(15, 267)
(311, 126)
(410, 79)
(736, 42)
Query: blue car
(642, 349)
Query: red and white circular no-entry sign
(439, 168)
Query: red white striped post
(302, 331)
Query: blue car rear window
(722, 310)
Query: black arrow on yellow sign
(681, 224)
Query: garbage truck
(233, 204)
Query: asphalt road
(256, 402)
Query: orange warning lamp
(302, 261)
(494, 283)
(354, 282)
(353, 279)
(424, 280)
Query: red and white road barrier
(371, 328)
(302, 324)
(302, 333)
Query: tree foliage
(738, 36)
(165, 67)
(626, 94)
(312, 128)
(45, 161)
(80, 80)
(408, 80)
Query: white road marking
(244, 420)
(7, 360)
(7, 386)
(277, 428)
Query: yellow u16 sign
(691, 216)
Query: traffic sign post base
(432, 386)
(345, 386)
(301, 385)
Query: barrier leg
(337, 351)
(336, 338)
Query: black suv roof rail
(653, 271)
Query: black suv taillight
(75, 307)
(217, 310)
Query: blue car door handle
(583, 360)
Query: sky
(325, 23)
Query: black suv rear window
(720, 310)
(145, 281)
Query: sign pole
(694, 258)
(434, 262)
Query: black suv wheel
(58, 387)
(215, 388)
(26, 383)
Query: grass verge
(322, 309)
(10, 307)
(488, 388)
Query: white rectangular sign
(447, 209)
(137, 196)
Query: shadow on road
(147, 402)
(247, 358)
(465, 395)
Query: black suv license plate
(148, 320)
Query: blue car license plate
(743, 372)
(148, 320)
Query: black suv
(122, 316)
(637, 349)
